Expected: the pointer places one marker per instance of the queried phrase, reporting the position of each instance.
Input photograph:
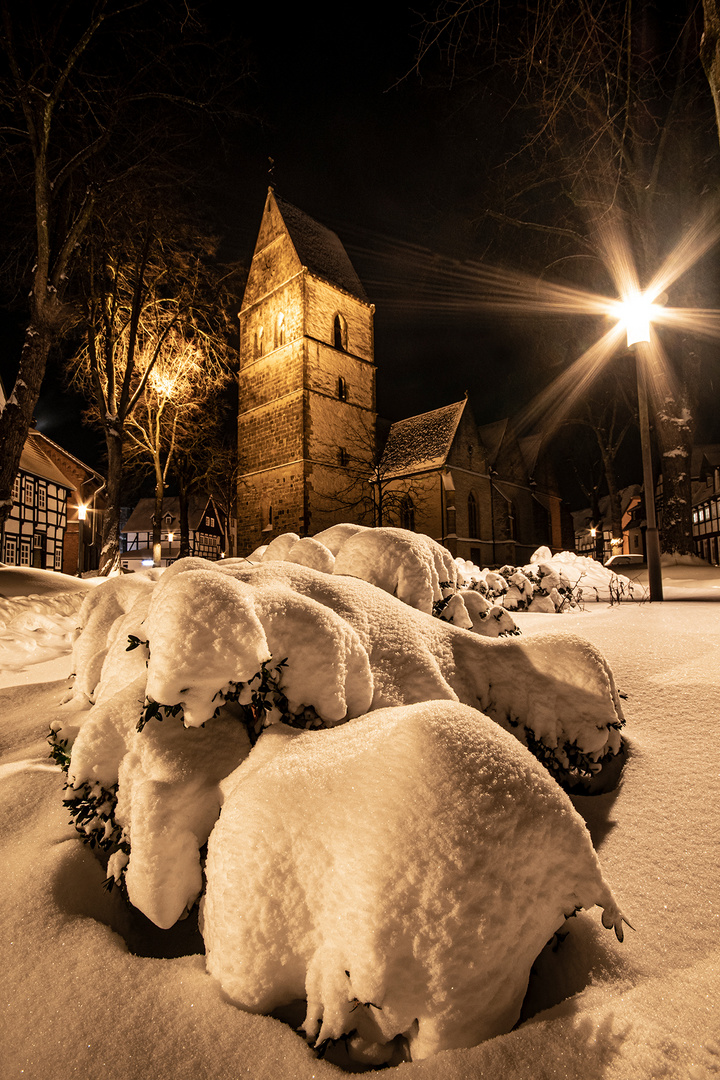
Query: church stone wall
(323, 302)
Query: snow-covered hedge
(548, 583)
(411, 566)
(401, 873)
(239, 647)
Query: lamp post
(82, 514)
(637, 324)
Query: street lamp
(637, 314)
(82, 514)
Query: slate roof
(491, 436)
(421, 443)
(320, 250)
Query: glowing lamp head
(636, 313)
(171, 537)
(82, 511)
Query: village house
(207, 525)
(56, 518)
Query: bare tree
(616, 118)
(155, 342)
(85, 94)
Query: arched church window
(280, 330)
(407, 513)
(473, 518)
(342, 390)
(340, 334)
(259, 335)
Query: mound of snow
(402, 873)
(411, 566)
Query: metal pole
(652, 538)
(81, 546)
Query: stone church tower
(307, 419)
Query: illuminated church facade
(309, 452)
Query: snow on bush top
(454, 858)
(408, 565)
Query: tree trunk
(157, 518)
(110, 554)
(184, 523)
(16, 417)
(675, 434)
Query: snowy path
(79, 1005)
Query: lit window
(340, 335)
(210, 521)
(695, 517)
(280, 330)
(341, 389)
(259, 335)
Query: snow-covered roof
(422, 442)
(40, 437)
(320, 249)
(34, 460)
(141, 518)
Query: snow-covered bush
(539, 586)
(239, 647)
(453, 858)
(411, 566)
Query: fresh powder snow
(78, 1003)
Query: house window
(473, 527)
(41, 497)
(10, 553)
(258, 347)
(210, 521)
(407, 513)
(58, 558)
(343, 456)
(342, 389)
(280, 330)
(340, 335)
(24, 552)
(28, 492)
(16, 489)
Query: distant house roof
(423, 442)
(320, 249)
(141, 518)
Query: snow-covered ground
(79, 1004)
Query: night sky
(401, 167)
